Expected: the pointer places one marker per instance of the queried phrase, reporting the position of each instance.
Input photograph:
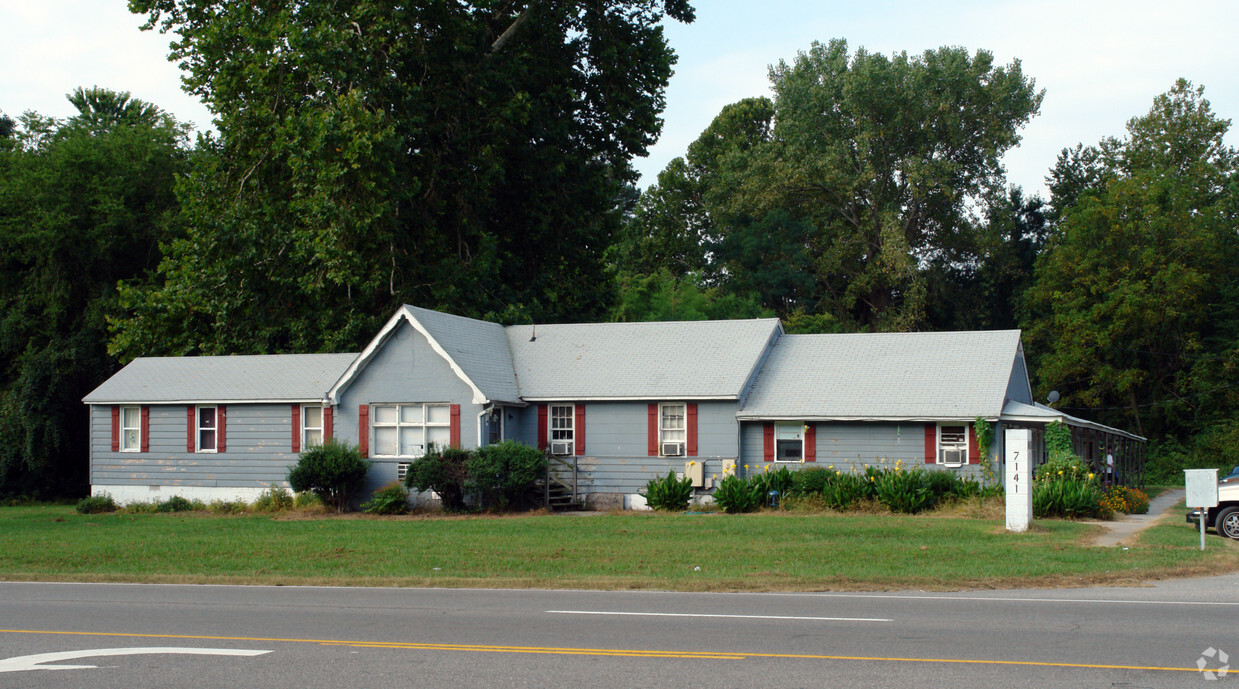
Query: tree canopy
(457, 155)
(84, 203)
(1133, 310)
(835, 196)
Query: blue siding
(854, 445)
(406, 369)
(258, 450)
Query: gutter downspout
(485, 410)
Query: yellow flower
(713, 477)
(1060, 472)
(766, 468)
(1090, 475)
(691, 463)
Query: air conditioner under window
(673, 449)
(561, 447)
(954, 457)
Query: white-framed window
(408, 430)
(952, 444)
(130, 429)
(562, 422)
(311, 425)
(208, 427)
(788, 441)
(672, 429)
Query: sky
(1101, 62)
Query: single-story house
(619, 403)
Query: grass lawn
(687, 552)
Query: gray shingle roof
(656, 360)
(478, 347)
(250, 378)
(950, 375)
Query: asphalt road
(122, 635)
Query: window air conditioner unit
(954, 457)
(673, 449)
(561, 447)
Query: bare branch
(511, 30)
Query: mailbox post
(1201, 487)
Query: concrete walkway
(1122, 529)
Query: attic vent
(402, 470)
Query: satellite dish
(1052, 397)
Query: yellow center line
(616, 652)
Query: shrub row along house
(619, 402)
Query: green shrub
(306, 500)
(142, 508)
(1071, 498)
(735, 495)
(811, 480)
(766, 481)
(96, 504)
(844, 490)
(227, 507)
(333, 471)
(944, 484)
(505, 475)
(904, 491)
(175, 503)
(669, 493)
(392, 498)
(444, 471)
(274, 499)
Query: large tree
(84, 203)
(863, 171)
(460, 155)
(1133, 311)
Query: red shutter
(221, 420)
(363, 429)
(931, 443)
(810, 442)
(144, 445)
(974, 450)
(454, 430)
(652, 430)
(328, 424)
(767, 441)
(296, 443)
(578, 430)
(542, 427)
(190, 445)
(690, 422)
(115, 428)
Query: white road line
(35, 662)
(693, 614)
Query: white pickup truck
(1225, 517)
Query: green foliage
(810, 480)
(736, 495)
(443, 470)
(765, 482)
(1133, 312)
(96, 504)
(274, 499)
(333, 471)
(371, 154)
(306, 500)
(1058, 443)
(904, 491)
(392, 498)
(505, 475)
(1070, 498)
(175, 503)
(830, 198)
(227, 507)
(669, 493)
(84, 203)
